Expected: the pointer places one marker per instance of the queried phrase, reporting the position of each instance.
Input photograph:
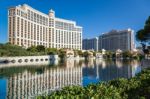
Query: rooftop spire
(51, 13)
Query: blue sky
(95, 16)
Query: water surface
(31, 81)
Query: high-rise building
(90, 44)
(27, 27)
(113, 40)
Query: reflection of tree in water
(15, 70)
(40, 70)
(80, 62)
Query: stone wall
(28, 60)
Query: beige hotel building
(27, 27)
(117, 39)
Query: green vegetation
(137, 87)
(51, 51)
(61, 53)
(78, 52)
(86, 54)
(143, 35)
(127, 54)
(124, 54)
(14, 50)
(109, 54)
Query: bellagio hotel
(28, 27)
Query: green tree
(94, 53)
(78, 52)
(32, 49)
(86, 54)
(12, 50)
(127, 54)
(40, 48)
(62, 53)
(143, 35)
(51, 51)
(109, 54)
(75, 53)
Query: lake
(30, 81)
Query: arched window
(20, 60)
(31, 60)
(26, 60)
(13, 61)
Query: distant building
(28, 26)
(90, 44)
(114, 40)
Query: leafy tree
(127, 54)
(75, 53)
(12, 50)
(143, 35)
(40, 48)
(32, 49)
(114, 55)
(51, 51)
(80, 53)
(86, 54)
(109, 54)
(94, 53)
(61, 53)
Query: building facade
(27, 27)
(90, 44)
(114, 40)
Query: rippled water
(30, 81)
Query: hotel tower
(117, 39)
(27, 27)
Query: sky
(95, 16)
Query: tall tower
(52, 30)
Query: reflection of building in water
(119, 63)
(136, 68)
(103, 64)
(97, 68)
(26, 84)
(108, 70)
(89, 70)
(90, 62)
(145, 63)
(70, 63)
(114, 70)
